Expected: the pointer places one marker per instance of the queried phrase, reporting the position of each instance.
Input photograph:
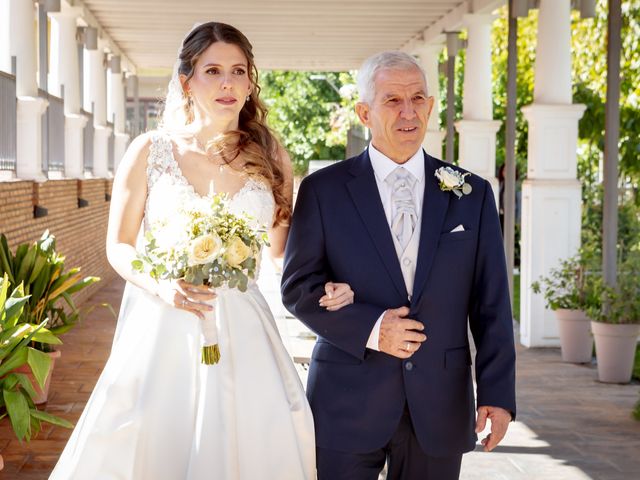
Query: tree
(589, 68)
(307, 113)
(589, 65)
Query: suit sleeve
(490, 316)
(306, 270)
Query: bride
(156, 412)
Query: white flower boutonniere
(453, 181)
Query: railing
(52, 134)
(88, 143)
(110, 159)
(8, 120)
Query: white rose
(204, 249)
(449, 178)
(170, 236)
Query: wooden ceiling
(323, 35)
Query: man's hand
(500, 419)
(398, 335)
(337, 295)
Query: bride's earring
(248, 98)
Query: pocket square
(459, 228)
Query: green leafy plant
(621, 305)
(41, 271)
(16, 401)
(308, 113)
(575, 284)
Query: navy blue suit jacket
(339, 233)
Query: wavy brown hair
(253, 139)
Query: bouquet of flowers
(206, 244)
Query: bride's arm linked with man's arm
(336, 295)
(303, 288)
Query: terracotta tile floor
(84, 353)
(569, 426)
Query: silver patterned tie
(404, 219)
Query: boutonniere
(453, 181)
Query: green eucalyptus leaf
(137, 265)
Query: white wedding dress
(157, 413)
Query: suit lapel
(434, 210)
(366, 197)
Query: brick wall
(80, 232)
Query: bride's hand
(186, 296)
(337, 295)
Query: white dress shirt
(382, 167)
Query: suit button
(406, 261)
(408, 366)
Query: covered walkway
(569, 426)
(67, 121)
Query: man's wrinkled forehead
(388, 81)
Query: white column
(428, 55)
(477, 78)
(101, 150)
(553, 53)
(30, 107)
(98, 86)
(477, 129)
(22, 45)
(117, 106)
(74, 145)
(64, 67)
(551, 195)
(64, 72)
(96, 96)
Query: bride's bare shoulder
(134, 161)
(140, 147)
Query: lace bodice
(168, 189)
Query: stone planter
(576, 341)
(615, 351)
(42, 394)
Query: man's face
(398, 114)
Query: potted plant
(570, 290)
(616, 323)
(41, 271)
(16, 399)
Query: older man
(419, 242)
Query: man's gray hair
(393, 59)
